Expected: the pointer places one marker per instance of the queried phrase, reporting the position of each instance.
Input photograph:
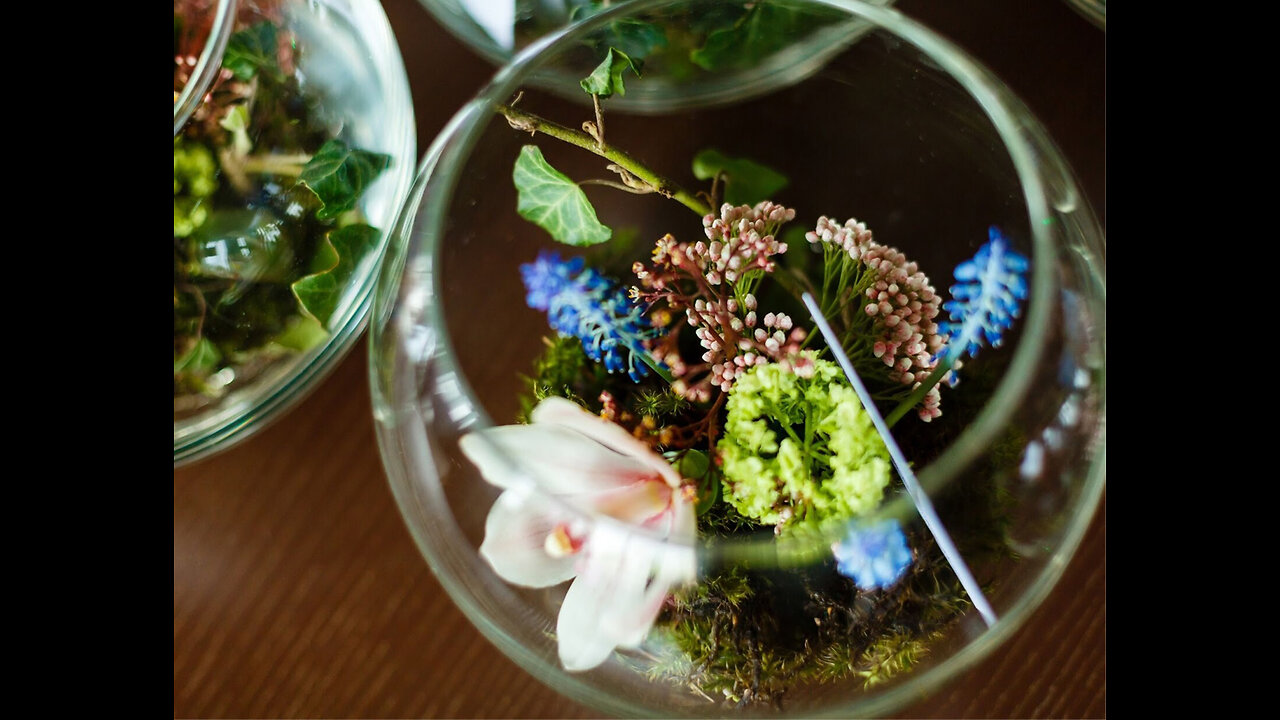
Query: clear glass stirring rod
(923, 505)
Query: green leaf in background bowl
(335, 262)
(252, 50)
(637, 38)
(747, 182)
(339, 175)
(763, 30)
(201, 359)
(550, 200)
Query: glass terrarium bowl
(1094, 10)
(294, 146)
(573, 550)
(685, 72)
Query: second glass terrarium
(293, 148)
(624, 443)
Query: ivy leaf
(201, 359)
(747, 182)
(550, 200)
(236, 122)
(252, 50)
(339, 174)
(606, 79)
(301, 334)
(335, 262)
(766, 28)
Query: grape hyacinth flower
(987, 297)
(874, 556)
(582, 303)
(985, 301)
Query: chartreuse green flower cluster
(798, 448)
(194, 180)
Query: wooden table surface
(298, 591)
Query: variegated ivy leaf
(606, 79)
(335, 262)
(553, 202)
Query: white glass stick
(923, 505)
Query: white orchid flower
(579, 489)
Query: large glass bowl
(246, 345)
(499, 30)
(900, 130)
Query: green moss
(563, 370)
(660, 403)
(746, 637)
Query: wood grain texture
(298, 591)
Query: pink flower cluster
(742, 238)
(736, 342)
(901, 302)
(701, 279)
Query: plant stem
(653, 364)
(273, 164)
(918, 394)
(531, 123)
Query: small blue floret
(874, 556)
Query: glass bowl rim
(207, 65)
(454, 17)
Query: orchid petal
(608, 604)
(515, 535)
(567, 414)
(639, 503)
(562, 460)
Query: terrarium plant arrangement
(274, 175)
(758, 371)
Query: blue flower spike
(987, 298)
(584, 304)
(874, 556)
